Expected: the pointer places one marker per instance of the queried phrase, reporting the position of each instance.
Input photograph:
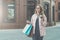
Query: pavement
(52, 33)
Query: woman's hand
(28, 22)
(42, 20)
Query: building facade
(57, 10)
(14, 13)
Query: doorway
(58, 11)
(30, 8)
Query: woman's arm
(28, 22)
(32, 20)
(44, 20)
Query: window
(10, 11)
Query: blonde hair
(41, 8)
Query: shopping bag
(27, 29)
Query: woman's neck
(38, 14)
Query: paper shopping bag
(27, 29)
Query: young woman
(38, 21)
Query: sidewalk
(57, 25)
(52, 33)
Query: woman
(38, 21)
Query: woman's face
(38, 9)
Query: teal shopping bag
(27, 29)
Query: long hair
(41, 9)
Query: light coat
(42, 23)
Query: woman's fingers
(28, 22)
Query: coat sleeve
(32, 20)
(44, 20)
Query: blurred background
(14, 13)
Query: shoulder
(34, 15)
(44, 15)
